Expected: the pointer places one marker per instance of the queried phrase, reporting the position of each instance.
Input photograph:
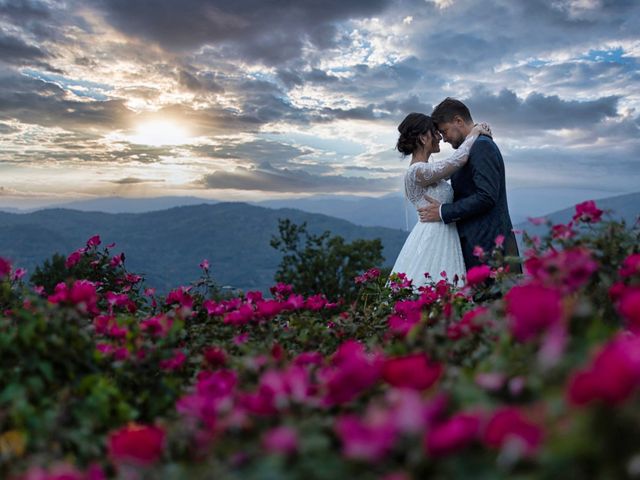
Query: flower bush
(497, 376)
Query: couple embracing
(455, 218)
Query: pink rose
(175, 362)
(587, 212)
(362, 440)
(452, 435)
(508, 424)
(630, 266)
(5, 267)
(532, 309)
(477, 275)
(74, 258)
(352, 371)
(137, 444)
(612, 377)
(282, 440)
(93, 241)
(415, 371)
(629, 308)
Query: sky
(258, 99)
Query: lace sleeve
(430, 173)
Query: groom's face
(452, 133)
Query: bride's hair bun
(414, 125)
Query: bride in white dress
(430, 247)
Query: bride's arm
(429, 173)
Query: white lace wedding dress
(432, 247)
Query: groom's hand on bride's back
(430, 213)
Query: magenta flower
(587, 212)
(181, 297)
(282, 440)
(83, 294)
(315, 302)
(74, 258)
(562, 232)
(499, 241)
(308, 358)
(157, 326)
(509, 425)
(295, 302)
(241, 338)
(490, 381)
(367, 276)
(568, 269)
(137, 444)
(629, 308)
(407, 314)
(469, 324)
(64, 472)
(204, 265)
(281, 291)
(452, 435)
(18, 274)
(477, 275)
(536, 220)
(352, 371)
(630, 266)
(366, 441)
(399, 282)
(175, 362)
(269, 308)
(116, 260)
(612, 377)
(94, 241)
(532, 309)
(215, 357)
(242, 316)
(414, 371)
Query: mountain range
(167, 246)
(389, 211)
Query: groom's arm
(485, 172)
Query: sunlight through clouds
(156, 99)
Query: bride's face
(434, 141)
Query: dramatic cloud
(253, 98)
(538, 111)
(268, 179)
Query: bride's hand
(482, 128)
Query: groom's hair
(449, 108)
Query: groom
(479, 205)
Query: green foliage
(51, 272)
(70, 376)
(322, 263)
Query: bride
(430, 248)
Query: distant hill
(389, 211)
(132, 205)
(168, 245)
(622, 207)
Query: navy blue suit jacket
(479, 205)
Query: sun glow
(160, 132)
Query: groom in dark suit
(479, 205)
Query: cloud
(252, 29)
(539, 111)
(15, 50)
(269, 179)
(43, 103)
(133, 181)
(296, 96)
